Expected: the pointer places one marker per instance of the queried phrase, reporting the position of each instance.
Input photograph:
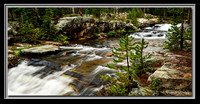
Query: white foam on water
(22, 82)
(102, 68)
(153, 34)
(93, 57)
(75, 47)
(89, 51)
(165, 27)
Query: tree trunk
(117, 12)
(21, 18)
(38, 16)
(182, 30)
(144, 12)
(129, 72)
(72, 10)
(189, 15)
(10, 15)
(141, 61)
(164, 13)
(36, 11)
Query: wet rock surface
(41, 49)
(175, 74)
(83, 64)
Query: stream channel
(75, 70)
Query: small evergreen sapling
(122, 53)
(173, 37)
(131, 53)
(138, 58)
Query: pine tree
(131, 53)
(138, 58)
(122, 53)
(173, 36)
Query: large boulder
(172, 79)
(73, 26)
(146, 22)
(68, 23)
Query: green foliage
(138, 58)
(135, 13)
(17, 53)
(62, 39)
(31, 29)
(29, 33)
(47, 27)
(134, 21)
(173, 37)
(160, 20)
(72, 15)
(121, 85)
(127, 21)
(155, 85)
(96, 34)
(132, 30)
(112, 32)
(123, 18)
(149, 16)
(96, 12)
(187, 36)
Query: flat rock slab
(172, 79)
(41, 50)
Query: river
(75, 70)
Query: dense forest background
(38, 23)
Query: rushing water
(75, 70)
(158, 31)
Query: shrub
(123, 18)
(72, 15)
(127, 21)
(29, 34)
(62, 39)
(122, 85)
(173, 37)
(112, 32)
(154, 85)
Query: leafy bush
(149, 16)
(29, 34)
(160, 20)
(127, 21)
(123, 18)
(188, 39)
(154, 85)
(72, 15)
(96, 12)
(62, 39)
(112, 32)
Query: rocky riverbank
(170, 71)
(173, 69)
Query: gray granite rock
(41, 50)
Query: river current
(75, 70)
